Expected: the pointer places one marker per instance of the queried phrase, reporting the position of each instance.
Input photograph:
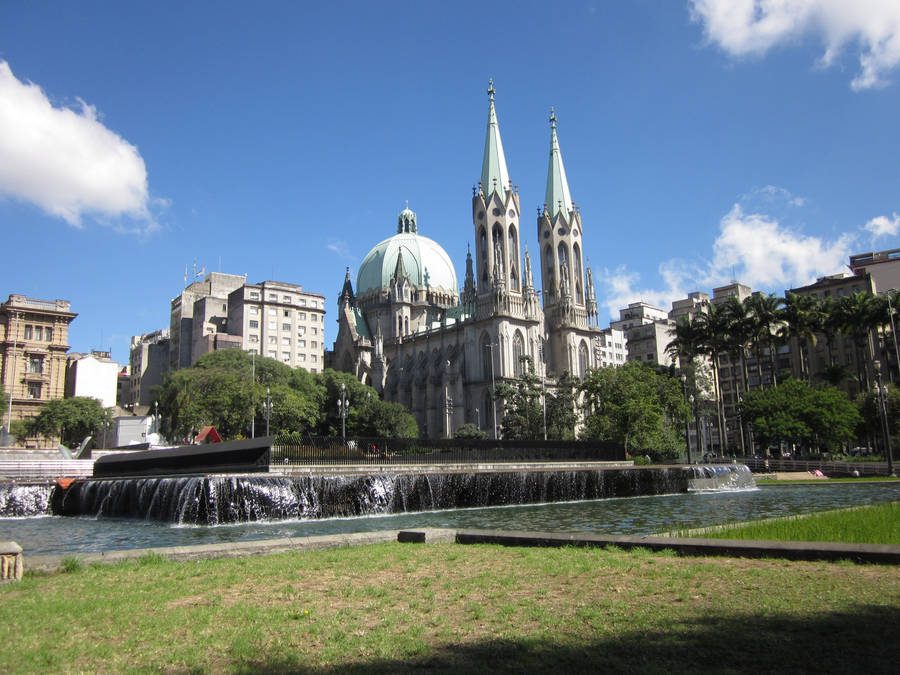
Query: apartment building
(34, 339)
(148, 362)
(281, 321)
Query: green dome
(421, 256)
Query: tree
(561, 414)
(523, 416)
(635, 406)
(798, 414)
(470, 431)
(69, 419)
(766, 318)
(802, 319)
(383, 419)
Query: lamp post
(883, 414)
(544, 403)
(253, 380)
(342, 409)
(448, 409)
(268, 409)
(893, 328)
(12, 376)
(491, 346)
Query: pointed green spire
(494, 175)
(558, 196)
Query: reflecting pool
(56, 535)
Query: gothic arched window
(582, 359)
(487, 355)
(576, 261)
(518, 348)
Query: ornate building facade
(412, 334)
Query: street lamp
(448, 409)
(268, 409)
(893, 328)
(342, 410)
(544, 403)
(491, 346)
(881, 393)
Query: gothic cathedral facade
(410, 332)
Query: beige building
(148, 362)
(94, 375)
(272, 318)
(882, 266)
(280, 321)
(34, 339)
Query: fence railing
(382, 451)
(45, 469)
(830, 468)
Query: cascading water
(720, 477)
(24, 500)
(213, 500)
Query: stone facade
(34, 339)
(416, 338)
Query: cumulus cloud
(753, 27)
(66, 162)
(881, 226)
(752, 247)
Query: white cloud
(753, 248)
(341, 249)
(753, 27)
(881, 226)
(67, 162)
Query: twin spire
(495, 175)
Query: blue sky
(703, 141)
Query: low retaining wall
(11, 563)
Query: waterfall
(721, 477)
(24, 500)
(214, 500)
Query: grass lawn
(448, 608)
(878, 524)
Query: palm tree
(738, 329)
(857, 315)
(802, 319)
(689, 342)
(764, 322)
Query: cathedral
(409, 331)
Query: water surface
(57, 535)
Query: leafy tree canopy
(69, 419)
(636, 406)
(796, 413)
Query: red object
(64, 483)
(208, 435)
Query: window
(271, 340)
(301, 330)
(34, 390)
(254, 295)
(28, 332)
(518, 353)
(254, 338)
(286, 341)
(301, 343)
(254, 324)
(272, 353)
(301, 316)
(301, 357)
(38, 333)
(273, 296)
(48, 334)
(254, 309)
(315, 331)
(287, 313)
(285, 356)
(302, 302)
(314, 344)
(35, 364)
(272, 312)
(313, 317)
(285, 326)
(314, 358)
(253, 351)
(273, 325)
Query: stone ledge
(11, 563)
(791, 550)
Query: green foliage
(470, 431)
(796, 413)
(69, 419)
(636, 406)
(384, 420)
(561, 415)
(19, 429)
(523, 416)
(71, 563)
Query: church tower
(569, 309)
(495, 214)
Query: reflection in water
(634, 515)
